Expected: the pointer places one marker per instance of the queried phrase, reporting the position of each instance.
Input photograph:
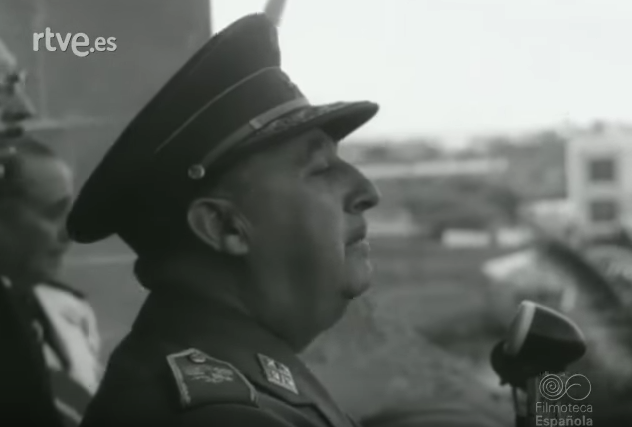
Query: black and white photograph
(315, 213)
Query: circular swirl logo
(552, 387)
(576, 387)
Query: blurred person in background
(48, 330)
(15, 106)
(49, 344)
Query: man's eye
(321, 167)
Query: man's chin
(359, 282)
(49, 272)
(359, 271)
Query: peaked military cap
(230, 98)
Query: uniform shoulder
(202, 380)
(234, 415)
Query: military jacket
(207, 365)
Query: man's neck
(206, 281)
(218, 284)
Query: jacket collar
(225, 333)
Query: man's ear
(220, 225)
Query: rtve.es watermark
(79, 43)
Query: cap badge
(197, 172)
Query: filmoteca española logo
(554, 387)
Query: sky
(458, 67)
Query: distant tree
(460, 203)
(497, 146)
(377, 153)
(536, 162)
(505, 200)
(429, 149)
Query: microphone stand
(540, 342)
(519, 408)
(525, 398)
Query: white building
(599, 177)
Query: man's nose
(18, 108)
(364, 195)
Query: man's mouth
(358, 248)
(361, 245)
(357, 236)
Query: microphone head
(540, 339)
(544, 337)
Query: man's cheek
(265, 208)
(45, 232)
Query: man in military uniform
(250, 236)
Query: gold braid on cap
(198, 170)
(272, 122)
(253, 127)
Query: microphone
(539, 340)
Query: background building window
(604, 210)
(602, 170)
